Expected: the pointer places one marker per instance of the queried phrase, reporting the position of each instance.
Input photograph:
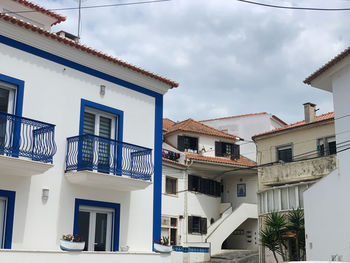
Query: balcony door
(97, 151)
(7, 105)
(95, 227)
(2, 221)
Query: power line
(90, 7)
(293, 7)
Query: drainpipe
(185, 201)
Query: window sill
(171, 195)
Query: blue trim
(115, 206)
(11, 196)
(18, 109)
(157, 182)
(191, 249)
(158, 115)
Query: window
(284, 153)
(171, 185)
(169, 229)
(197, 225)
(204, 186)
(97, 223)
(227, 149)
(326, 146)
(187, 144)
(241, 190)
(7, 206)
(7, 97)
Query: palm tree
(296, 226)
(273, 235)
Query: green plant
(70, 237)
(165, 240)
(297, 226)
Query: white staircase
(229, 221)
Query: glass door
(95, 228)
(97, 151)
(2, 221)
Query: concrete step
(237, 256)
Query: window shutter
(196, 144)
(181, 143)
(203, 226)
(190, 223)
(89, 123)
(190, 183)
(218, 149)
(236, 153)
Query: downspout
(185, 201)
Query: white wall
(52, 94)
(246, 127)
(230, 189)
(327, 221)
(251, 233)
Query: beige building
(291, 159)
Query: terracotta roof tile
(167, 123)
(174, 163)
(191, 125)
(323, 117)
(242, 161)
(245, 115)
(86, 49)
(327, 66)
(42, 10)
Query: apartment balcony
(292, 172)
(109, 164)
(26, 146)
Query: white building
(80, 146)
(209, 190)
(326, 215)
(245, 126)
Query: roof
(191, 125)
(83, 48)
(167, 123)
(42, 10)
(174, 163)
(327, 66)
(320, 118)
(242, 161)
(245, 115)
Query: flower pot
(162, 248)
(71, 246)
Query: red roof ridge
(245, 115)
(327, 66)
(86, 49)
(319, 118)
(242, 161)
(191, 125)
(43, 10)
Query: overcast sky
(229, 57)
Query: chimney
(310, 112)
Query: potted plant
(162, 245)
(71, 243)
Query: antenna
(79, 19)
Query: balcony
(26, 146)
(109, 164)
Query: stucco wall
(52, 94)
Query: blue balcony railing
(23, 137)
(95, 153)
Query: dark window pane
(173, 237)
(196, 224)
(285, 155)
(170, 185)
(4, 99)
(83, 227)
(332, 147)
(100, 232)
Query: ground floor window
(7, 204)
(169, 229)
(197, 225)
(97, 223)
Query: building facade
(80, 144)
(291, 159)
(326, 222)
(209, 188)
(245, 126)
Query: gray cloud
(229, 58)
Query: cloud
(229, 57)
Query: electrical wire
(293, 7)
(89, 7)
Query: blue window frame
(116, 217)
(9, 215)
